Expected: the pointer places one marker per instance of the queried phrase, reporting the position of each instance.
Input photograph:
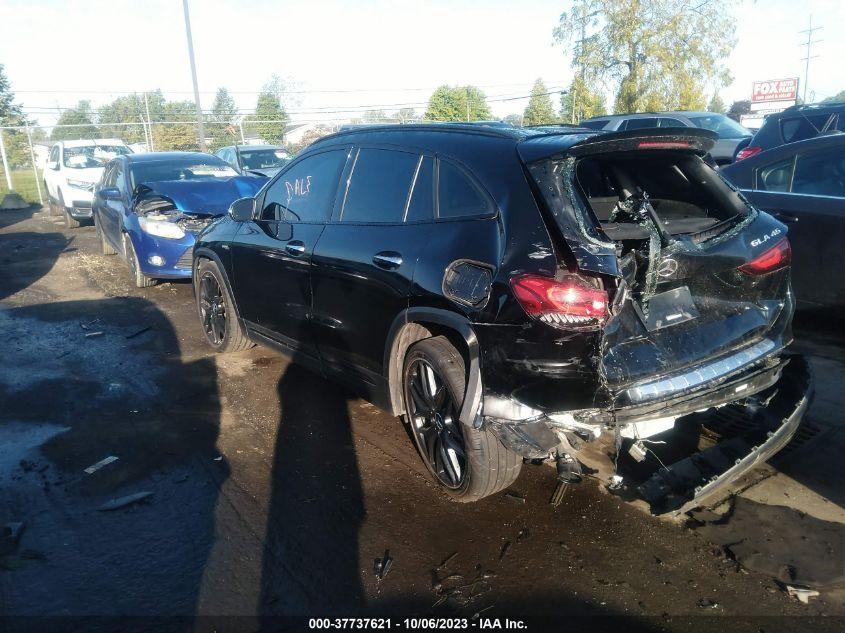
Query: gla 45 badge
(765, 238)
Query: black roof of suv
(514, 293)
(796, 123)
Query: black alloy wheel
(212, 309)
(434, 421)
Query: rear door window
(305, 193)
(457, 195)
(821, 173)
(379, 186)
(776, 176)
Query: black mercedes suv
(522, 294)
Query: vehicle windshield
(200, 168)
(594, 125)
(92, 155)
(724, 126)
(263, 158)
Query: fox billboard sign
(775, 90)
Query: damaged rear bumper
(688, 483)
(775, 393)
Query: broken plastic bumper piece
(689, 482)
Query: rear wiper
(639, 209)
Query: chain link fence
(26, 149)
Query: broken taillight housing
(748, 152)
(777, 257)
(570, 301)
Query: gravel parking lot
(272, 490)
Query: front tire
(70, 222)
(140, 279)
(468, 463)
(217, 312)
(105, 247)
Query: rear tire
(105, 247)
(140, 279)
(486, 467)
(216, 309)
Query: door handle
(295, 247)
(388, 260)
(785, 217)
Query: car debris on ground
(103, 462)
(122, 502)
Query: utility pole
(200, 125)
(150, 147)
(809, 44)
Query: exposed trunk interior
(688, 196)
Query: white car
(73, 167)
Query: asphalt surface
(273, 490)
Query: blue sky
(344, 54)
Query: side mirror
(109, 193)
(52, 164)
(242, 210)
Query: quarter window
(305, 193)
(458, 196)
(775, 177)
(799, 128)
(640, 124)
(379, 186)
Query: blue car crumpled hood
(210, 197)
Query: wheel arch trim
(203, 252)
(402, 335)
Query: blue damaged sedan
(150, 207)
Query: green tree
(540, 109)
(81, 118)
(269, 109)
(458, 103)
(132, 109)
(656, 54)
(224, 112)
(579, 103)
(405, 115)
(837, 98)
(514, 119)
(738, 108)
(175, 129)
(717, 105)
(11, 114)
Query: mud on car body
(522, 294)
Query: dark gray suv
(730, 132)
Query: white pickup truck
(73, 167)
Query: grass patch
(23, 181)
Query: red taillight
(664, 145)
(748, 152)
(567, 302)
(777, 257)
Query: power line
(255, 92)
(314, 110)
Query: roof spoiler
(696, 140)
